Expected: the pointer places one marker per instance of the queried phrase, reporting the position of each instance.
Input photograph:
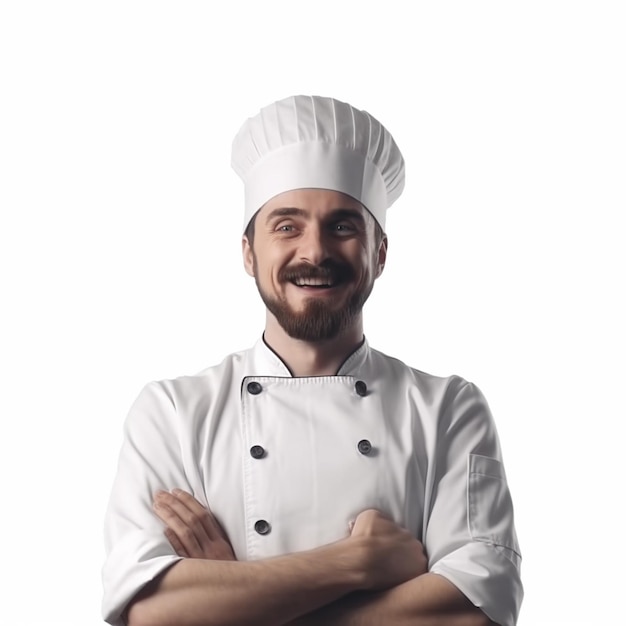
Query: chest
(289, 462)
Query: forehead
(312, 203)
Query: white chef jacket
(285, 463)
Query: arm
(428, 600)
(137, 552)
(469, 531)
(474, 561)
(425, 600)
(205, 591)
(147, 582)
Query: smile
(314, 282)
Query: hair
(249, 233)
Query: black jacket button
(257, 452)
(254, 388)
(364, 446)
(262, 527)
(360, 387)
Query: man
(312, 479)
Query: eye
(285, 228)
(343, 228)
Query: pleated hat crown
(321, 143)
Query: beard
(318, 320)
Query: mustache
(333, 271)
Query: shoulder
(453, 409)
(425, 382)
(202, 381)
(191, 394)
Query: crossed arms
(376, 575)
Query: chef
(312, 479)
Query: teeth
(313, 282)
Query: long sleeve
(150, 459)
(469, 527)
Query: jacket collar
(263, 361)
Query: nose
(314, 246)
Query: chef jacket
(285, 463)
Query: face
(315, 257)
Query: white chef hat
(314, 142)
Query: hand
(191, 528)
(392, 555)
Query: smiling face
(315, 257)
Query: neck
(318, 358)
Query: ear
(248, 256)
(382, 256)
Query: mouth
(315, 283)
(322, 279)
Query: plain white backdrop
(120, 249)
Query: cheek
(367, 262)
(266, 272)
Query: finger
(184, 531)
(188, 515)
(203, 513)
(196, 520)
(197, 517)
(365, 520)
(172, 537)
(372, 521)
(190, 503)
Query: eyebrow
(285, 212)
(349, 214)
(296, 212)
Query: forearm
(428, 600)
(199, 592)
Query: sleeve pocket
(489, 504)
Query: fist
(390, 554)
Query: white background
(119, 248)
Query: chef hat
(314, 142)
